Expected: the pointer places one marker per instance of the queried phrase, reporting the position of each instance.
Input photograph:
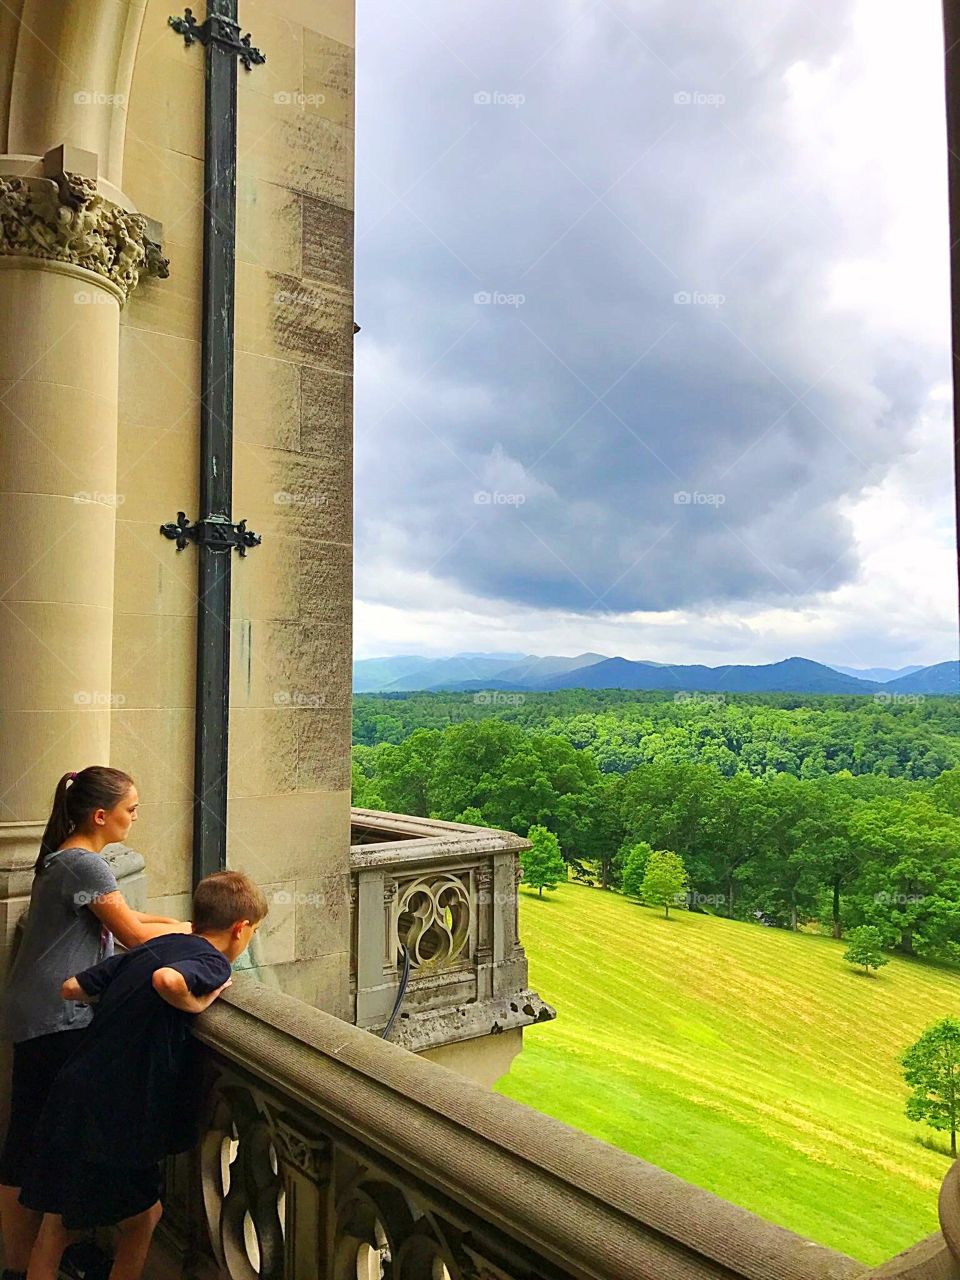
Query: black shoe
(7, 1274)
(84, 1261)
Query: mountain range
(474, 672)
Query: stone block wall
(289, 776)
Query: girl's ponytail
(76, 797)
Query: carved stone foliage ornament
(69, 221)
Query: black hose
(404, 980)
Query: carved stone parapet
(67, 220)
(309, 1155)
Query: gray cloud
(656, 408)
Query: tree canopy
(830, 809)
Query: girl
(76, 911)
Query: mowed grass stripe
(753, 1062)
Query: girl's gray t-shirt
(61, 937)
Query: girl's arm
(171, 986)
(126, 925)
(147, 919)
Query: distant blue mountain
(473, 673)
(446, 671)
(793, 675)
(538, 669)
(944, 677)
(372, 674)
(880, 674)
(461, 671)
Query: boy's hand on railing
(171, 986)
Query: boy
(118, 1106)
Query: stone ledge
(585, 1208)
(407, 841)
(417, 1030)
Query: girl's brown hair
(77, 796)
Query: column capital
(62, 216)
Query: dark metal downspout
(215, 533)
(216, 452)
(951, 30)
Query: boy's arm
(171, 986)
(144, 918)
(72, 990)
(90, 984)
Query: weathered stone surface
(156, 474)
(155, 746)
(325, 585)
(323, 760)
(320, 982)
(484, 1060)
(274, 941)
(326, 414)
(315, 324)
(160, 384)
(327, 166)
(269, 230)
(289, 495)
(328, 78)
(305, 829)
(263, 751)
(292, 665)
(163, 835)
(267, 401)
(318, 648)
(298, 150)
(148, 580)
(327, 243)
(154, 661)
(322, 915)
(266, 586)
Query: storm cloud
(603, 366)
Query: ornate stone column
(69, 258)
(71, 250)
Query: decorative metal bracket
(219, 30)
(216, 533)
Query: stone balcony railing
(331, 1154)
(448, 894)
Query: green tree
(471, 816)
(866, 948)
(664, 881)
(635, 859)
(364, 788)
(911, 873)
(543, 864)
(931, 1068)
(946, 792)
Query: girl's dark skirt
(86, 1193)
(35, 1066)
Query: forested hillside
(839, 811)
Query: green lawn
(753, 1062)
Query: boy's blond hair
(223, 898)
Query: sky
(654, 349)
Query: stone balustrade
(446, 892)
(331, 1154)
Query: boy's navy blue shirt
(128, 1095)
